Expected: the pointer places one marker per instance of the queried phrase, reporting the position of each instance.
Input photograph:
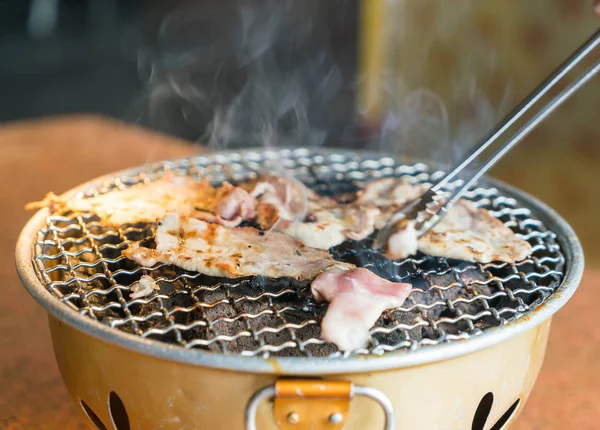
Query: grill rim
(565, 236)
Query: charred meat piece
(148, 202)
(227, 205)
(319, 222)
(465, 232)
(472, 234)
(356, 297)
(144, 287)
(389, 195)
(215, 250)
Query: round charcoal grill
(250, 330)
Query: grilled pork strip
(465, 232)
(391, 192)
(319, 222)
(216, 250)
(149, 202)
(473, 234)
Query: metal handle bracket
(314, 404)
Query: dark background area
(98, 57)
(96, 61)
(81, 66)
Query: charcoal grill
(212, 353)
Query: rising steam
(266, 74)
(263, 76)
(437, 110)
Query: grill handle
(314, 404)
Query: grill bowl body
(159, 393)
(167, 386)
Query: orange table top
(567, 394)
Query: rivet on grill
(336, 418)
(293, 418)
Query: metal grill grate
(79, 261)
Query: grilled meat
(465, 232)
(472, 234)
(356, 297)
(148, 202)
(319, 222)
(326, 227)
(389, 195)
(216, 250)
(144, 287)
(227, 205)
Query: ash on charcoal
(397, 322)
(270, 330)
(321, 350)
(331, 186)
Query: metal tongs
(426, 211)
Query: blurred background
(423, 79)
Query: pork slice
(227, 205)
(143, 202)
(389, 195)
(465, 232)
(149, 202)
(216, 250)
(472, 234)
(324, 228)
(356, 297)
(319, 222)
(282, 200)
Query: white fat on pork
(319, 222)
(356, 297)
(144, 287)
(148, 202)
(216, 250)
(403, 242)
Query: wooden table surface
(57, 154)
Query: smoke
(272, 74)
(248, 74)
(437, 82)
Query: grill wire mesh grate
(79, 261)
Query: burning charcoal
(397, 322)
(242, 344)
